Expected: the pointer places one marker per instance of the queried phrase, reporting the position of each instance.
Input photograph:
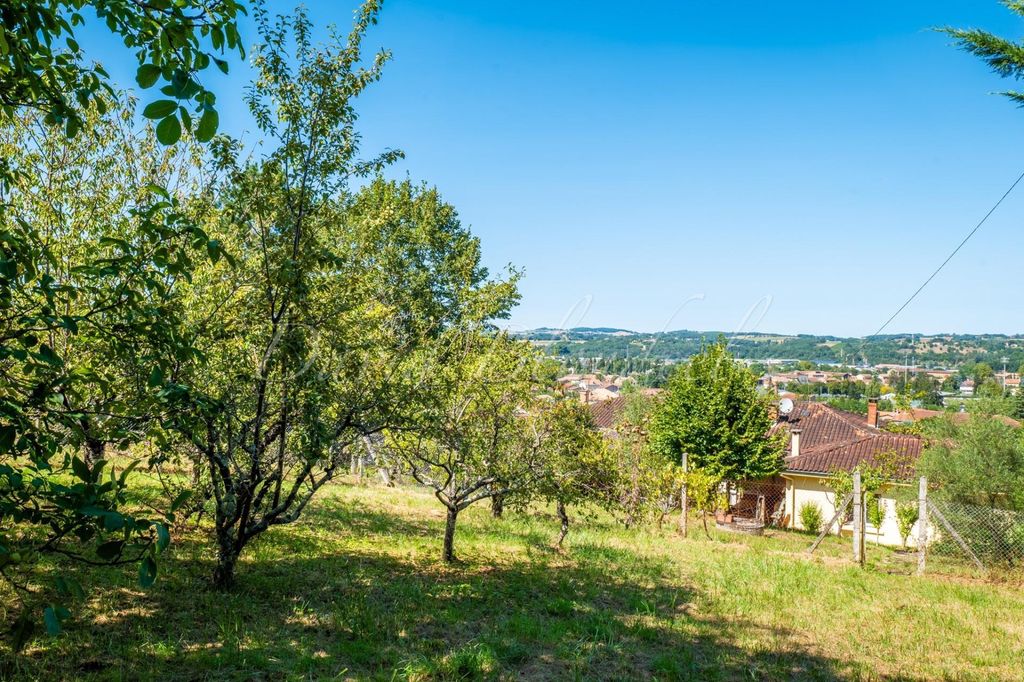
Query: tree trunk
(224, 572)
(560, 507)
(497, 506)
(93, 451)
(448, 553)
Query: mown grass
(356, 591)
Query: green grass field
(355, 590)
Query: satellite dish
(785, 406)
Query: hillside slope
(355, 591)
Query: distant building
(967, 388)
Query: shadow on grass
(596, 613)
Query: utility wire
(945, 262)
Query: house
(967, 388)
(1010, 381)
(822, 441)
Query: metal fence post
(858, 520)
(922, 523)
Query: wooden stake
(858, 520)
(956, 536)
(684, 506)
(840, 512)
(922, 523)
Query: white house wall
(801, 490)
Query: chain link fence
(990, 539)
(956, 538)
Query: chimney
(873, 412)
(794, 442)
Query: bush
(906, 517)
(810, 517)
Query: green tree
(1005, 57)
(811, 517)
(477, 434)
(906, 517)
(1017, 411)
(982, 372)
(978, 462)
(309, 332)
(714, 415)
(92, 274)
(577, 467)
(94, 253)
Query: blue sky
(676, 164)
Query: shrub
(906, 517)
(810, 517)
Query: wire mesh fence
(991, 539)
(955, 538)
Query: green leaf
(128, 470)
(158, 190)
(109, 551)
(213, 248)
(113, 521)
(163, 537)
(207, 125)
(147, 572)
(147, 75)
(156, 377)
(7, 435)
(160, 109)
(168, 131)
(52, 620)
(81, 469)
(181, 499)
(47, 355)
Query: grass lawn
(355, 590)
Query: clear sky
(675, 164)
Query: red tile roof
(607, 412)
(834, 440)
(823, 425)
(846, 456)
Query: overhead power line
(948, 258)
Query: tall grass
(356, 591)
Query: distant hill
(549, 333)
(939, 350)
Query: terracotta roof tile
(834, 440)
(607, 412)
(846, 456)
(823, 425)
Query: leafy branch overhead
(43, 67)
(1005, 57)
